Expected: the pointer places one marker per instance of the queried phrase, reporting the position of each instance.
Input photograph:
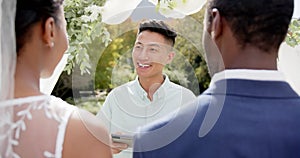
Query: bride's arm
(86, 137)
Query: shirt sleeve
(105, 113)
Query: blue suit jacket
(256, 119)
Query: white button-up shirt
(128, 107)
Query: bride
(32, 124)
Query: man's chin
(144, 74)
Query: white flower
(180, 9)
(93, 11)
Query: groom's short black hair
(262, 23)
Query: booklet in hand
(123, 138)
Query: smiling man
(151, 95)
(249, 109)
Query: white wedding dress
(38, 127)
(30, 127)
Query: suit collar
(249, 74)
(251, 83)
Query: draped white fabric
(7, 69)
(47, 84)
(8, 48)
(288, 64)
(117, 11)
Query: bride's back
(33, 124)
(39, 126)
(46, 126)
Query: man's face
(150, 53)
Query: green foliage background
(293, 36)
(101, 53)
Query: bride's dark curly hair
(29, 12)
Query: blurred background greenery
(100, 54)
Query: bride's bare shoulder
(86, 136)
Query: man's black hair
(160, 27)
(262, 23)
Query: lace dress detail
(38, 127)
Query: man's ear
(49, 32)
(216, 26)
(170, 57)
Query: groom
(249, 109)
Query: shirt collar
(248, 74)
(160, 92)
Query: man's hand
(118, 147)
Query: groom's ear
(49, 31)
(217, 24)
(171, 56)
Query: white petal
(48, 154)
(29, 116)
(21, 113)
(14, 142)
(23, 126)
(17, 134)
(16, 155)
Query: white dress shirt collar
(248, 74)
(159, 93)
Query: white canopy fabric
(117, 11)
(48, 84)
(296, 9)
(289, 64)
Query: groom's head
(236, 26)
(262, 23)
